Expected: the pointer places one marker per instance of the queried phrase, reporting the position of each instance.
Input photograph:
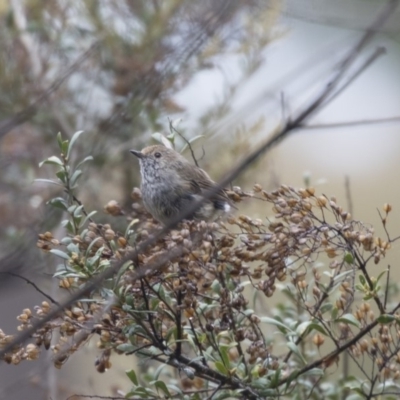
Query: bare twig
(29, 282)
(283, 107)
(352, 123)
(348, 195)
(198, 344)
(387, 287)
(7, 124)
(379, 51)
(173, 129)
(333, 355)
(350, 209)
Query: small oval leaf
(52, 160)
(60, 254)
(72, 142)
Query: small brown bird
(170, 184)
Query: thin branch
(379, 51)
(214, 392)
(383, 220)
(333, 355)
(283, 107)
(348, 195)
(19, 118)
(352, 123)
(173, 129)
(29, 282)
(198, 344)
(85, 332)
(158, 339)
(387, 287)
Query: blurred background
(232, 71)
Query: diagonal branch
(283, 133)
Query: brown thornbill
(171, 184)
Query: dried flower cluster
(193, 312)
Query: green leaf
(131, 374)
(60, 254)
(221, 367)
(326, 307)
(275, 378)
(86, 159)
(52, 160)
(223, 349)
(216, 286)
(87, 217)
(68, 226)
(158, 371)
(73, 248)
(381, 274)
(191, 141)
(72, 142)
(61, 175)
(162, 139)
(48, 181)
(75, 176)
(91, 261)
(142, 392)
(348, 258)
(59, 140)
(317, 327)
(315, 372)
(293, 347)
(339, 278)
(303, 327)
(173, 124)
(308, 326)
(277, 323)
(386, 319)
(64, 147)
(58, 202)
(91, 245)
(362, 279)
(357, 396)
(175, 388)
(121, 271)
(349, 319)
(128, 229)
(77, 211)
(66, 240)
(292, 377)
(163, 387)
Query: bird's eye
(157, 155)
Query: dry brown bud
(257, 188)
(109, 234)
(364, 345)
(32, 351)
(48, 235)
(136, 194)
(322, 201)
(318, 340)
(113, 208)
(387, 208)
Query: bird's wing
(199, 181)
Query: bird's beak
(138, 154)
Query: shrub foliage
(203, 307)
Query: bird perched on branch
(171, 184)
